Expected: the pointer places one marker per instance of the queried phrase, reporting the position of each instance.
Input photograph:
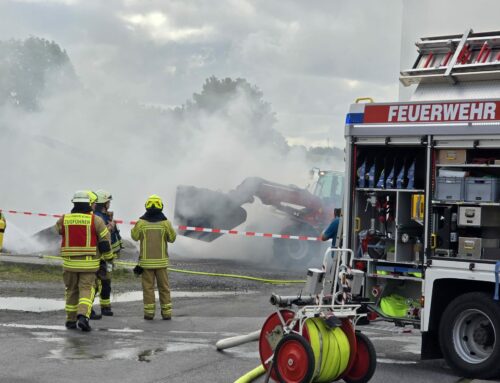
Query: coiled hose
(331, 350)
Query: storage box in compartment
(449, 189)
(478, 216)
(452, 156)
(471, 248)
(482, 189)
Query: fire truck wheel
(469, 335)
(365, 361)
(293, 360)
(294, 251)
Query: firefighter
(331, 231)
(106, 264)
(84, 236)
(153, 230)
(3, 226)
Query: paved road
(35, 347)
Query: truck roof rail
(455, 58)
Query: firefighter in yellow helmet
(3, 226)
(154, 231)
(84, 236)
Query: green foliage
(29, 68)
(240, 105)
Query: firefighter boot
(106, 311)
(71, 325)
(83, 323)
(94, 315)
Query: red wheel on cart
(293, 360)
(365, 361)
(269, 337)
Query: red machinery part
(365, 361)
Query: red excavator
(307, 213)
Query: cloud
(64, 2)
(159, 27)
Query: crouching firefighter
(84, 236)
(154, 231)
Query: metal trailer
(421, 206)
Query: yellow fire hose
(331, 350)
(250, 376)
(247, 277)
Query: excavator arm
(206, 208)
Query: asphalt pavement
(36, 347)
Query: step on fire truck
(422, 201)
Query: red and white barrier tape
(187, 228)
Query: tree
(240, 105)
(31, 67)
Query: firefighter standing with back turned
(83, 234)
(153, 230)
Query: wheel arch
(443, 292)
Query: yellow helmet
(92, 196)
(81, 196)
(103, 196)
(154, 201)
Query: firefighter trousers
(80, 291)
(103, 286)
(148, 289)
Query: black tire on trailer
(469, 335)
(365, 361)
(296, 252)
(293, 360)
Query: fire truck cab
(422, 201)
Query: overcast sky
(311, 59)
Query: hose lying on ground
(250, 376)
(237, 276)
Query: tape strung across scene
(237, 276)
(185, 228)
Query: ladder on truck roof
(454, 58)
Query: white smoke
(81, 140)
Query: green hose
(247, 277)
(250, 376)
(331, 350)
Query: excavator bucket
(206, 208)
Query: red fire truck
(422, 201)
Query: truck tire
(469, 335)
(296, 252)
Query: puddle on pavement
(42, 305)
(31, 304)
(76, 348)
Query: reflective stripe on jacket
(80, 234)
(153, 237)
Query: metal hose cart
(312, 337)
